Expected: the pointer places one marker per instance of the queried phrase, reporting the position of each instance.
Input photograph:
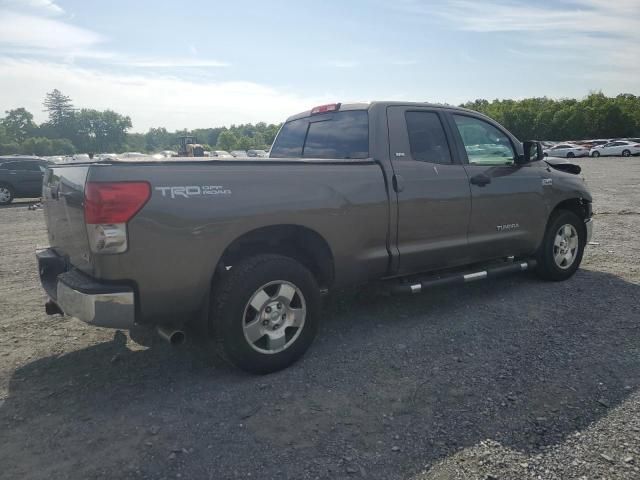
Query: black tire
(547, 267)
(230, 309)
(595, 154)
(6, 194)
(570, 155)
(626, 153)
(545, 154)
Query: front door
(508, 212)
(432, 189)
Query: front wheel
(595, 154)
(265, 313)
(562, 247)
(571, 155)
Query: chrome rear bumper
(83, 297)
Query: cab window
(484, 143)
(427, 139)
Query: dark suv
(21, 177)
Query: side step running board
(418, 285)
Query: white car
(566, 150)
(220, 154)
(616, 148)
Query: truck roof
(389, 103)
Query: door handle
(480, 180)
(398, 183)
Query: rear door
(432, 189)
(508, 213)
(26, 177)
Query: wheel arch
(298, 242)
(581, 207)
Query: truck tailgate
(63, 203)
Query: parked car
(239, 153)
(165, 154)
(133, 155)
(21, 177)
(221, 154)
(617, 148)
(256, 153)
(350, 194)
(567, 150)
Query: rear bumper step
(418, 285)
(80, 296)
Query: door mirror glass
(532, 151)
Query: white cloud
(150, 100)
(342, 64)
(592, 34)
(26, 35)
(169, 62)
(44, 35)
(42, 7)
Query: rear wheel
(265, 313)
(595, 154)
(6, 195)
(626, 153)
(562, 248)
(570, 155)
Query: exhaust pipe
(52, 308)
(171, 335)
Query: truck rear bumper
(85, 298)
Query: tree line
(69, 130)
(596, 116)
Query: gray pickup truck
(407, 195)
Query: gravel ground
(511, 378)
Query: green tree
(59, 108)
(227, 140)
(135, 142)
(62, 146)
(18, 124)
(159, 139)
(100, 131)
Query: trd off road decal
(190, 191)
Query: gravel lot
(512, 378)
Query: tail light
(108, 206)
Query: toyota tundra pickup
(407, 195)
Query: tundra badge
(507, 227)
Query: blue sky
(201, 63)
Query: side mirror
(532, 151)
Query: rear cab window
(340, 135)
